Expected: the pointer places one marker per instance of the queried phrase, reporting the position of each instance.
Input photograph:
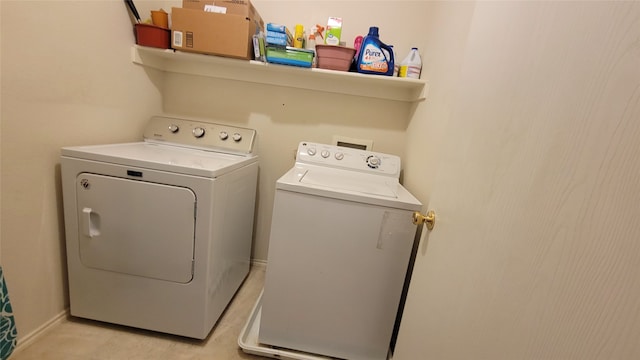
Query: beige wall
(68, 79)
(445, 42)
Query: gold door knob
(429, 219)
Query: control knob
(339, 156)
(198, 132)
(237, 137)
(174, 128)
(373, 161)
(325, 153)
(311, 151)
(223, 135)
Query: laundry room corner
(442, 61)
(67, 79)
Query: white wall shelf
(349, 83)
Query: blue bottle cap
(373, 31)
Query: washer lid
(348, 181)
(162, 157)
(348, 185)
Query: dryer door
(135, 227)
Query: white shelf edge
(347, 83)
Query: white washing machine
(159, 232)
(339, 251)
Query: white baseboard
(26, 340)
(258, 262)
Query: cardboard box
(229, 34)
(196, 4)
(233, 7)
(334, 31)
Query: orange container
(334, 57)
(153, 36)
(160, 18)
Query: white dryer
(159, 232)
(339, 252)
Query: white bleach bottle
(411, 66)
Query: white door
(135, 227)
(536, 249)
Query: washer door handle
(90, 223)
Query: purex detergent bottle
(375, 57)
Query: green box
(290, 56)
(334, 31)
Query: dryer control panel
(201, 135)
(348, 159)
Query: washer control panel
(200, 134)
(348, 158)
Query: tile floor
(76, 339)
